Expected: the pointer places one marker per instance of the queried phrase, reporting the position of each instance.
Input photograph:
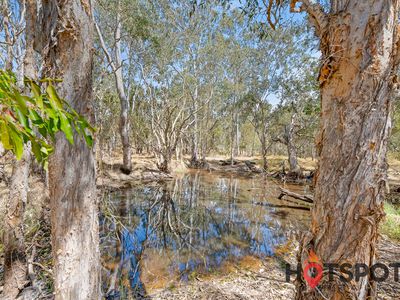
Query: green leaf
(88, 138)
(37, 95)
(47, 113)
(21, 102)
(36, 151)
(55, 101)
(66, 128)
(5, 137)
(21, 118)
(18, 143)
(34, 117)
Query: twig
(47, 270)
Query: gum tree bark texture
(359, 42)
(67, 50)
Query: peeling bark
(359, 42)
(67, 50)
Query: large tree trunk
(359, 42)
(68, 53)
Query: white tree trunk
(68, 51)
(117, 67)
(291, 147)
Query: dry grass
(250, 278)
(394, 170)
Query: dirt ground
(266, 283)
(265, 279)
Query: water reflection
(168, 233)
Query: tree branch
(318, 18)
(104, 47)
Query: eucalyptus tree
(67, 52)
(298, 114)
(12, 24)
(274, 59)
(358, 75)
(167, 110)
(33, 118)
(357, 79)
(201, 72)
(293, 84)
(120, 33)
(177, 81)
(107, 108)
(123, 28)
(238, 41)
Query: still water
(164, 234)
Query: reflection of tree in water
(124, 276)
(197, 224)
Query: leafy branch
(36, 117)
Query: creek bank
(266, 280)
(252, 167)
(144, 170)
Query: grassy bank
(391, 224)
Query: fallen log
(297, 202)
(252, 166)
(228, 162)
(304, 198)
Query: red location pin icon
(317, 274)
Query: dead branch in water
(281, 206)
(294, 201)
(304, 198)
